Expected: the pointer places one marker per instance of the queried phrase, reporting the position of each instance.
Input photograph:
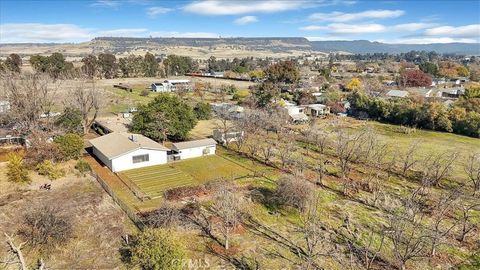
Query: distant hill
(365, 46)
(226, 47)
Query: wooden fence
(127, 209)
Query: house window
(140, 158)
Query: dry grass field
(98, 222)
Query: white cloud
(155, 11)
(347, 17)
(313, 28)
(246, 20)
(411, 26)
(61, 33)
(37, 32)
(342, 28)
(466, 31)
(106, 3)
(185, 34)
(235, 7)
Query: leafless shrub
(45, 226)
(166, 216)
(293, 191)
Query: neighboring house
(317, 110)
(193, 149)
(234, 111)
(397, 94)
(125, 151)
(452, 92)
(296, 113)
(438, 81)
(169, 85)
(227, 137)
(4, 106)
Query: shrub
(156, 249)
(241, 94)
(49, 169)
(16, 169)
(40, 151)
(294, 192)
(83, 167)
(69, 145)
(45, 226)
(166, 216)
(144, 93)
(182, 192)
(203, 111)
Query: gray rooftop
(397, 93)
(116, 144)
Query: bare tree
(407, 232)
(227, 208)
(285, 150)
(267, 149)
(223, 122)
(347, 148)
(314, 235)
(407, 158)
(472, 168)
(437, 167)
(467, 222)
(441, 223)
(29, 95)
(318, 138)
(88, 100)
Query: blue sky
(406, 21)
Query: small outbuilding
(192, 149)
(317, 110)
(125, 151)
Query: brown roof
(193, 144)
(115, 144)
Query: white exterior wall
(103, 158)
(125, 162)
(195, 152)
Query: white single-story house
(317, 110)
(169, 85)
(192, 149)
(125, 151)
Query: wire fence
(127, 209)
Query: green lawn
(154, 180)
